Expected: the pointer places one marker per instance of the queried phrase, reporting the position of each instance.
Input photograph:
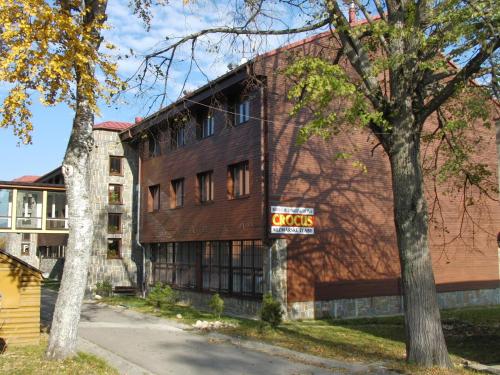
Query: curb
(123, 366)
(308, 359)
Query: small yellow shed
(20, 288)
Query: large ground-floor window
(175, 263)
(232, 267)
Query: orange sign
(292, 220)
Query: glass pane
(115, 194)
(236, 281)
(236, 250)
(247, 281)
(57, 214)
(29, 209)
(247, 254)
(214, 278)
(113, 248)
(5, 208)
(115, 165)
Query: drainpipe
(138, 225)
(265, 150)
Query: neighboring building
(40, 236)
(213, 194)
(20, 292)
(112, 182)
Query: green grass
(28, 360)
(471, 333)
(51, 284)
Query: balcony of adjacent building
(33, 208)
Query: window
(116, 166)
(154, 198)
(115, 194)
(215, 261)
(114, 223)
(242, 112)
(247, 265)
(178, 136)
(207, 126)
(57, 211)
(177, 198)
(154, 145)
(29, 209)
(51, 252)
(25, 244)
(206, 186)
(5, 208)
(239, 180)
(233, 267)
(114, 248)
(175, 263)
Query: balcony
(33, 208)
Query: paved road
(147, 344)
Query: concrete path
(137, 343)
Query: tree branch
(472, 67)
(239, 31)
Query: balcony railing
(5, 222)
(52, 223)
(32, 208)
(29, 223)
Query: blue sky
(52, 126)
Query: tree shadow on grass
(473, 341)
(338, 345)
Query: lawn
(471, 333)
(30, 360)
(51, 284)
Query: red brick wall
(353, 252)
(222, 219)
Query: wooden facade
(20, 288)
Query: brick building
(213, 194)
(216, 165)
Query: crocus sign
(292, 220)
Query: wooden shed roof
(21, 262)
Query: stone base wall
(233, 306)
(388, 305)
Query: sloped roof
(26, 179)
(21, 262)
(113, 125)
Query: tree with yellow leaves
(51, 49)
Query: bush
(104, 288)
(216, 304)
(271, 311)
(161, 295)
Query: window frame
(120, 158)
(174, 196)
(119, 228)
(154, 139)
(207, 126)
(154, 201)
(119, 242)
(242, 117)
(120, 188)
(236, 172)
(202, 184)
(175, 131)
(180, 258)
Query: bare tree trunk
(63, 334)
(425, 344)
(76, 170)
